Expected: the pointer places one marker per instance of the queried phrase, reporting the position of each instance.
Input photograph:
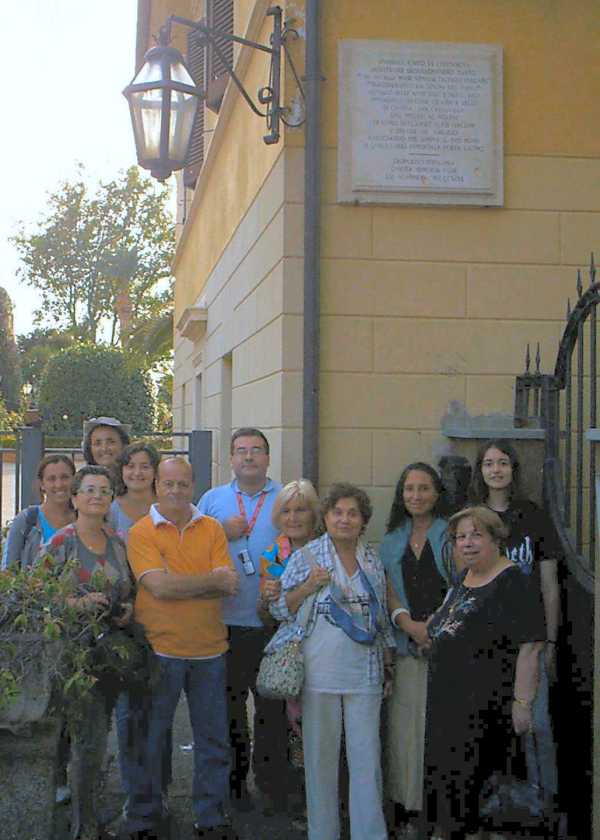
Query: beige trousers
(405, 733)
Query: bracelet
(521, 702)
(397, 612)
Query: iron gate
(564, 404)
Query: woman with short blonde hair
(305, 490)
(296, 515)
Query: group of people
(439, 645)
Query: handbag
(507, 802)
(281, 672)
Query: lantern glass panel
(150, 71)
(183, 109)
(180, 74)
(146, 110)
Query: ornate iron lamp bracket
(269, 95)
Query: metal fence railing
(18, 463)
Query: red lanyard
(257, 510)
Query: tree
(92, 247)
(10, 372)
(35, 349)
(88, 381)
(150, 343)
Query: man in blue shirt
(243, 508)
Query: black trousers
(272, 771)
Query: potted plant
(51, 654)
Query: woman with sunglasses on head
(94, 549)
(532, 545)
(34, 526)
(104, 438)
(413, 555)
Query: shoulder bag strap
(309, 603)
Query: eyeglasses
(242, 451)
(94, 491)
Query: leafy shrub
(37, 612)
(90, 381)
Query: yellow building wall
(232, 259)
(423, 306)
(420, 306)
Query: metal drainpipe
(312, 247)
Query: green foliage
(151, 341)
(8, 420)
(39, 620)
(163, 379)
(93, 245)
(89, 381)
(10, 373)
(9, 687)
(35, 349)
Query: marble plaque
(420, 123)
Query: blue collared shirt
(221, 503)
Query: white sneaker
(63, 795)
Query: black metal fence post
(32, 451)
(200, 457)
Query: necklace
(418, 536)
(94, 542)
(418, 542)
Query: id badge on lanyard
(244, 555)
(246, 561)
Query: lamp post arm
(231, 72)
(212, 34)
(268, 95)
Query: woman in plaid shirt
(348, 646)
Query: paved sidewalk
(251, 826)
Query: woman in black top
(413, 554)
(485, 640)
(532, 545)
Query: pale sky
(64, 65)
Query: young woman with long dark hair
(413, 553)
(532, 545)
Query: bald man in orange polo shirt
(182, 565)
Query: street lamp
(163, 100)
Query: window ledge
(193, 322)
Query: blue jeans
(203, 681)
(542, 769)
(126, 736)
